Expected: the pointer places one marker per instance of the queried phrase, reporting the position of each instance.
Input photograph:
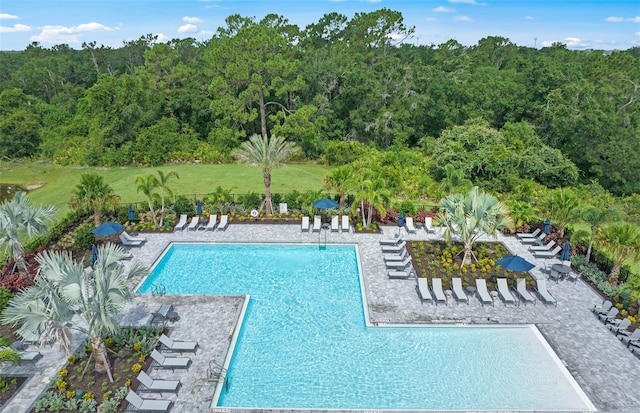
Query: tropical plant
(148, 187)
(371, 193)
(65, 297)
(95, 195)
(20, 218)
(622, 241)
(471, 216)
(521, 212)
(454, 180)
(596, 218)
(560, 205)
(267, 153)
(162, 180)
(338, 181)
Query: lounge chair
(211, 225)
(305, 224)
(193, 225)
(395, 241)
(157, 385)
(169, 362)
(533, 234)
(546, 247)
(178, 346)
(394, 248)
(606, 318)
(163, 314)
(317, 223)
(618, 327)
(602, 308)
(458, 291)
(399, 265)
(345, 223)
(547, 254)
(148, 405)
(335, 224)
(396, 257)
(422, 288)
(521, 290)
(428, 225)
(503, 291)
(543, 293)
(134, 237)
(181, 223)
(411, 229)
(630, 338)
(436, 287)
(400, 275)
(483, 293)
(574, 276)
(128, 242)
(30, 356)
(224, 223)
(537, 240)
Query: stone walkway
(607, 372)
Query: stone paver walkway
(602, 366)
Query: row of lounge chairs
(607, 313)
(411, 228)
(535, 241)
(337, 223)
(195, 223)
(397, 259)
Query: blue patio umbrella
(547, 226)
(94, 254)
(132, 215)
(400, 221)
(325, 203)
(566, 248)
(199, 207)
(515, 263)
(107, 228)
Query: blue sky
(601, 24)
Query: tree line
(497, 113)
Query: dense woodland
(499, 113)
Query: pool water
(304, 342)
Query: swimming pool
(304, 342)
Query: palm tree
(148, 187)
(19, 218)
(454, 180)
(596, 218)
(65, 297)
(267, 153)
(622, 241)
(371, 193)
(94, 194)
(471, 216)
(338, 181)
(560, 205)
(163, 179)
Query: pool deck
(607, 372)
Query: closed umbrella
(547, 226)
(94, 254)
(566, 248)
(107, 228)
(132, 215)
(515, 263)
(400, 222)
(199, 207)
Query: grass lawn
(58, 182)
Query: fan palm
(65, 297)
(596, 218)
(19, 217)
(267, 153)
(622, 241)
(470, 216)
(94, 194)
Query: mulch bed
(10, 386)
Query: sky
(585, 24)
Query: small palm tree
(65, 297)
(338, 181)
(454, 180)
(371, 193)
(267, 153)
(163, 179)
(95, 195)
(560, 205)
(596, 218)
(622, 241)
(20, 218)
(148, 188)
(471, 216)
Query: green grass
(58, 182)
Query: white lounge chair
(211, 225)
(602, 308)
(503, 291)
(127, 242)
(394, 248)
(543, 293)
(546, 247)
(533, 234)
(178, 346)
(335, 224)
(436, 286)
(148, 405)
(411, 229)
(305, 224)
(193, 225)
(605, 318)
(521, 290)
(391, 242)
(629, 337)
(396, 257)
(428, 225)
(169, 362)
(181, 223)
(317, 223)
(483, 293)
(345, 223)
(458, 291)
(224, 223)
(422, 288)
(621, 326)
(157, 385)
(398, 264)
(536, 240)
(400, 275)
(547, 254)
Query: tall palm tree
(338, 181)
(622, 241)
(371, 193)
(94, 194)
(65, 297)
(267, 153)
(596, 218)
(148, 188)
(163, 179)
(20, 218)
(470, 216)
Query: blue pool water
(304, 342)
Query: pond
(7, 191)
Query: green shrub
(251, 200)
(407, 207)
(9, 354)
(5, 296)
(184, 206)
(84, 238)
(55, 232)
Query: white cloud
(614, 19)
(464, 19)
(7, 16)
(373, 1)
(206, 32)
(188, 19)
(442, 9)
(637, 33)
(63, 34)
(471, 2)
(162, 38)
(188, 28)
(529, 18)
(430, 19)
(15, 28)
(572, 42)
